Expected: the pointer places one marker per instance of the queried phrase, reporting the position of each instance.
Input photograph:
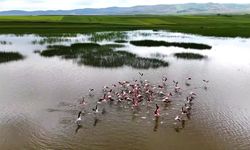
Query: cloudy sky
(74, 4)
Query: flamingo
(188, 107)
(157, 111)
(140, 73)
(79, 119)
(183, 111)
(164, 79)
(166, 100)
(82, 102)
(91, 92)
(177, 89)
(206, 81)
(177, 118)
(95, 109)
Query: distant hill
(188, 8)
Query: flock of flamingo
(141, 93)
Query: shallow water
(39, 97)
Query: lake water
(39, 97)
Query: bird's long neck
(79, 114)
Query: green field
(211, 25)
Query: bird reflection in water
(78, 127)
(156, 124)
(96, 120)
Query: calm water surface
(39, 97)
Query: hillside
(188, 8)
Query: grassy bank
(210, 25)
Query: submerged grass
(107, 36)
(10, 56)
(121, 41)
(158, 55)
(37, 51)
(97, 55)
(152, 43)
(185, 55)
(50, 40)
(5, 43)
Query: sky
(78, 4)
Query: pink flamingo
(157, 111)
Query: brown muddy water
(39, 95)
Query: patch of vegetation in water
(10, 56)
(145, 34)
(185, 55)
(153, 43)
(145, 63)
(158, 55)
(37, 51)
(5, 43)
(97, 55)
(120, 41)
(50, 40)
(108, 36)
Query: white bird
(79, 119)
(177, 118)
(95, 109)
(206, 81)
(140, 73)
(192, 93)
(166, 100)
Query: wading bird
(79, 119)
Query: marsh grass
(121, 41)
(208, 25)
(5, 43)
(97, 55)
(108, 36)
(37, 51)
(10, 56)
(50, 40)
(153, 43)
(145, 34)
(158, 55)
(185, 55)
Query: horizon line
(120, 7)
